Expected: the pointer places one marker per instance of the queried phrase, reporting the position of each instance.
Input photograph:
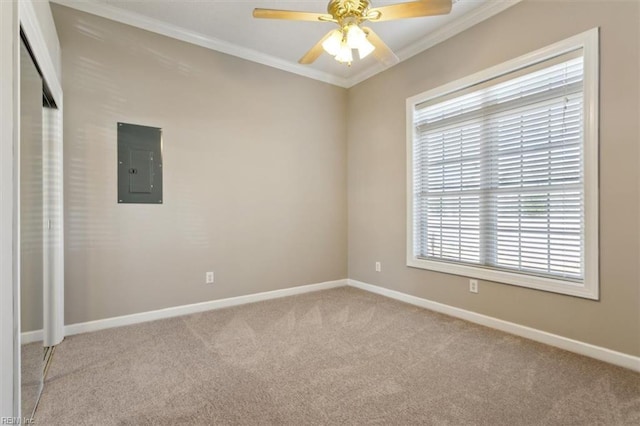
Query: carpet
(340, 356)
(31, 365)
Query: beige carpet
(31, 365)
(339, 356)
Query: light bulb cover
(365, 49)
(355, 36)
(344, 55)
(332, 44)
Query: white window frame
(589, 288)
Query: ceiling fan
(350, 15)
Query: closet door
(31, 233)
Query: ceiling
(228, 26)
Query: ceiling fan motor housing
(342, 9)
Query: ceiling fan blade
(315, 52)
(382, 52)
(410, 10)
(291, 15)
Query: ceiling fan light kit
(340, 43)
(349, 15)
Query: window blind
(498, 173)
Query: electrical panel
(139, 164)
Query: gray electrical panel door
(139, 164)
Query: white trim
(175, 311)
(596, 352)
(17, 247)
(586, 349)
(31, 336)
(32, 28)
(159, 27)
(591, 45)
(53, 203)
(588, 41)
(9, 401)
(456, 26)
(35, 31)
(39, 27)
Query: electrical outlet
(378, 267)
(473, 286)
(209, 278)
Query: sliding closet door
(31, 230)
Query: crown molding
(150, 24)
(456, 26)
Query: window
(503, 172)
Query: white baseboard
(597, 352)
(593, 351)
(31, 336)
(102, 324)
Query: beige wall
(377, 170)
(254, 173)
